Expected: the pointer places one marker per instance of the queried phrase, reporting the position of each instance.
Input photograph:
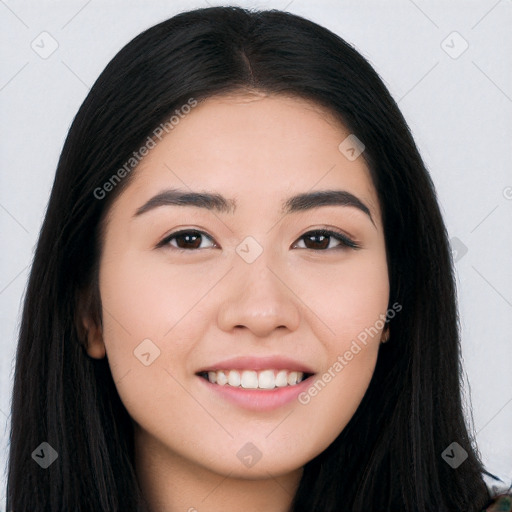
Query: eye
(186, 239)
(322, 239)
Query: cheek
(150, 296)
(348, 297)
(146, 298)
(360, 297)
(350, 302)
(147, 333)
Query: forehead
(255, 148)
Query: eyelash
(345, 242)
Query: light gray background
(458, 106)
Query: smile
(251, 379)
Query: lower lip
(259, 399)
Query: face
(282, 298)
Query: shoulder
(500, 489)
(501, 503)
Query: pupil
(188, 238)
(321, 243)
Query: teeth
(282, 379)
(266, 380)
(222, 380)
(250, 379)
(292, 378)
(233, 378)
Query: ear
(89, 325)
(94, 337)
(385, 334)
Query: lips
(257, 384)
(258, 364)
(264, 373)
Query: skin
(201, 306)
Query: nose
(258, 298)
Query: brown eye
(323, 240)
(186, 240)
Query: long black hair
(389, 456)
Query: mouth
(267, 379)
(258, 384)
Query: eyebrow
(216, 202)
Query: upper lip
(258, 363)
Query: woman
(242, 296)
